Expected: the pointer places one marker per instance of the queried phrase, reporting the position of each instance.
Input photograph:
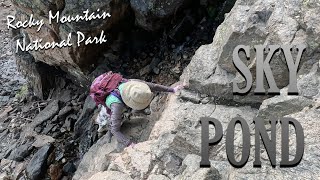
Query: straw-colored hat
(136, 95)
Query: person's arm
(116, 119)
(156, 87)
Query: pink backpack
(103, 85)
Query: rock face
(153, 14)
(172, 150)
(193, 171)
(21, 152)
(78, 62)
(173, 137)
(83, 120)
(36, 73)
(255, 23)
(110, 175)
(96, 154)
(309, 85)
(74, 60)
(103, 152)
(282, 105)
(47, 113)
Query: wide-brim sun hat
(137, 95)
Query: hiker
(133, 93)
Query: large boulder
(75, 60)
(110, 175)
(38, 164)
(95, 159)
(46, 114)
(173, 147)
(212, 71)
(21, 152)
(102, 153)
(172, 150)
(193, 170)
(308, 167)
(173, 137)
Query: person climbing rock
(133, 93)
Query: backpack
(104, 85)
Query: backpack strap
(116, 93)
